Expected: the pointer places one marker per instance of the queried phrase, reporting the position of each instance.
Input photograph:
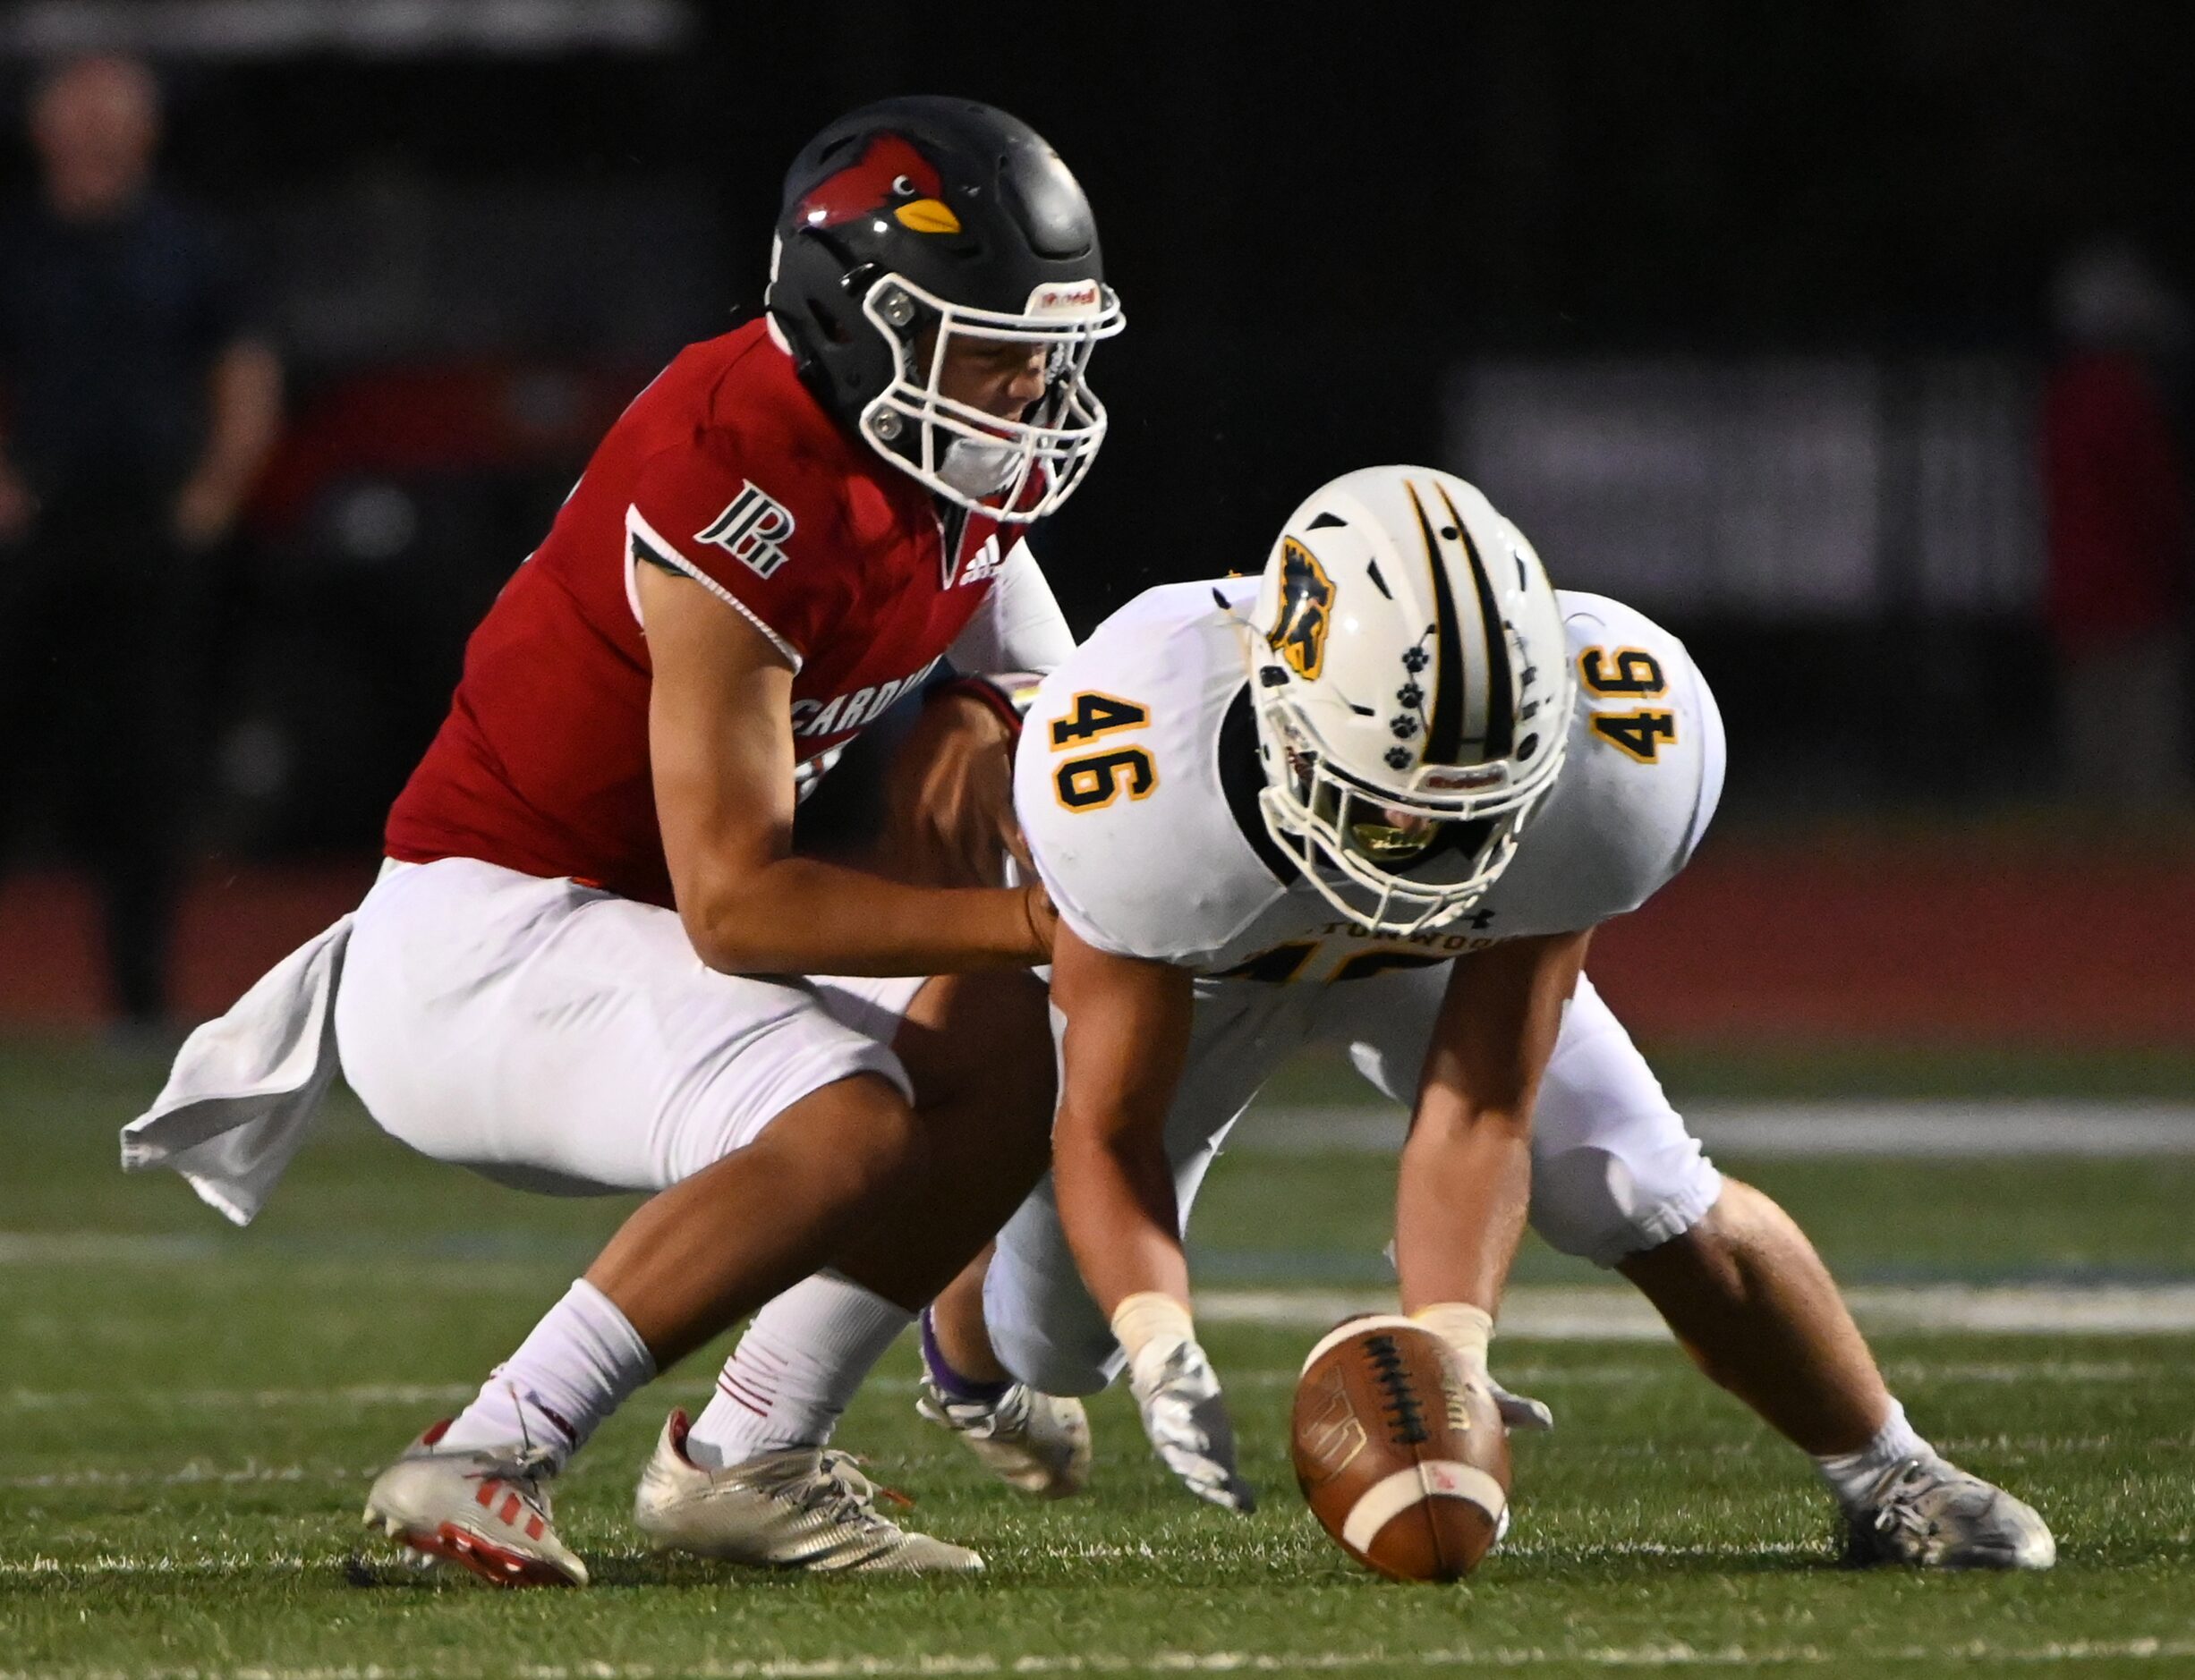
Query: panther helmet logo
(1306, 610)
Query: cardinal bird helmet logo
(1299, 635)
(890, 178)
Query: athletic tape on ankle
(1144, 1317)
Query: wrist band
(1143, 1317)
(1465, 1327)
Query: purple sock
(940, 1372)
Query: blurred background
(1851, 341)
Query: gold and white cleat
(1930, 1514)
(484, 1510)
(1039, 1443)
(802, 1509)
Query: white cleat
(1039, 1443)
(484, 1510)
(802, 1509)
(1930, 1514)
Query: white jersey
(1138, 777)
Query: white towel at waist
(245, 1089)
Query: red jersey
(729, 469)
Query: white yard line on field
(232, 1399)
(2021, 1126)
(1651, 1655)
(78, 1248)
(1610, 1313)
(1604, 1373)
(192, 1475)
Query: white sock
(1851, 1476)
(794, 1370)
(581, 1361)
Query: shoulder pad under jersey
(1117, 784)
(1637, 789)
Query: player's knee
(853, 1140)
(1047, 1331)
(1053, 1365)
(1604, 1207)
(982, 1036)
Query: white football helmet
(1412, 693)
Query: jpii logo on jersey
(1306, 610)
(891, 176)
(841, 712)
(752, 530)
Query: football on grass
(1401, 1457)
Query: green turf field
(192, 1414)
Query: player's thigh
(1614, 1170)
(566, 1039)
(1386, 1021)
(1243, 1033)
(1043, 1324)
(961, 1037)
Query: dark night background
(1316, 218)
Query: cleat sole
(483, 1559)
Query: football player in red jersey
(570, 975)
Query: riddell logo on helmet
(1081, 297)
(1458, 781)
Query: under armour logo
(752, 530)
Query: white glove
(1520, 1411)
(1184, 1412)
(1468, 1330)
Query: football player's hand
(1185, 1417)
(949, 796)
(1468, 1330)
(1518, 1411)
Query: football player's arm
(950, 796)
(1466, 1177)
(1019, 627)
(720, 742)
(1125, 1040)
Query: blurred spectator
(141, 402)
(2114, 485)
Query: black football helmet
(939, 216)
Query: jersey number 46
(1091, 781)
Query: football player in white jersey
(1381, 797)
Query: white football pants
(557, 1038)
(1613, 1170)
